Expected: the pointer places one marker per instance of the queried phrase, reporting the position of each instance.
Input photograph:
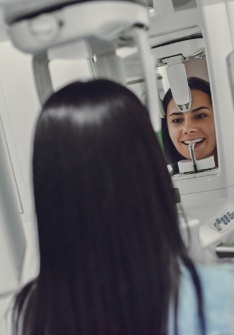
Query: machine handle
(225, 250)
(42, 76)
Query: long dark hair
(109, 240)
(171, 154)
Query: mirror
(188, 119)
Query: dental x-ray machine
(178, 37)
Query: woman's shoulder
(216, 278)
(217, 284)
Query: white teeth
(197, 140)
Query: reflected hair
(109, 240)
(171, 154)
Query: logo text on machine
(223, 221)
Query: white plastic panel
(10, 151)
(64, 71)
(12, 239)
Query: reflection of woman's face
(195, 125)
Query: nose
(189, 127)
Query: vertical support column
(230, 15)
(218, 47)
(149, 72)
(42, 76)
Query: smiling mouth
(196, 141)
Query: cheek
(211, 131)
(173, 133)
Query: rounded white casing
(93, 19)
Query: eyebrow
(192, 111)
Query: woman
(195, 125)
(112, 261)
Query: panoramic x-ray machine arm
(102, 27)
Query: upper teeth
(196, 141)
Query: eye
(177, 120)
(200, 116)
